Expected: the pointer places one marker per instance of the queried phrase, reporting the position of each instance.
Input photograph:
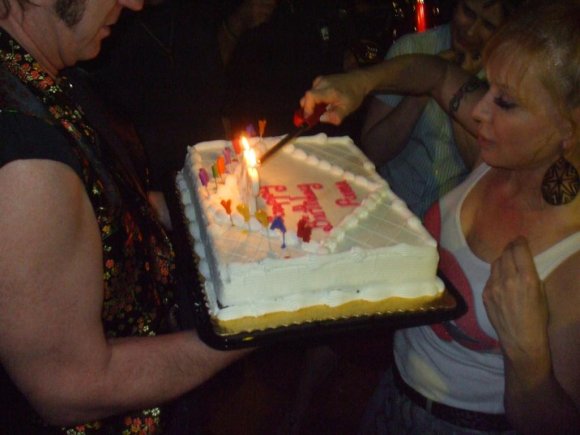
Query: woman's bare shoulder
(563, 292)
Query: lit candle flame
(245, 143)
(251, 158)
(251, 172)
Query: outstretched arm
(454, 89)
(538, 326)
(51, 292)
(388, 128)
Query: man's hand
(342, 93)
(157, 201)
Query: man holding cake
(87, 282)
(509, 236)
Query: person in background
(508, 236)
(87, 286)
(407, 136)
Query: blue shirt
(429, 165)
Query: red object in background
(421, 19)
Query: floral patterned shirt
(138, 259)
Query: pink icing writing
(277, 202)
(308, 203)
(349, 197)
(312, 206)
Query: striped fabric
(430, 164)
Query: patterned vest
(138, 259)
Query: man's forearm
(404, 75)
(140, 372)
(455, 90)
(407, 74)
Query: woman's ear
(571, 134)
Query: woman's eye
(504, 104)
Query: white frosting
(365, 243)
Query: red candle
(221, 165)
(237, 145)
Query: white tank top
(459, 363)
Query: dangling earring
(560, 183)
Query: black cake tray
(194, 310)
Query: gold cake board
(319, 322)
(317, 313)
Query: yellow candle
(253, 171)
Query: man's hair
(70, 11)
(508, 6)
(6, 5)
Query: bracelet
(229, 31)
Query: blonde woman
(509, 237)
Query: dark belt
(457, 416)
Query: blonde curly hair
(545, 34)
